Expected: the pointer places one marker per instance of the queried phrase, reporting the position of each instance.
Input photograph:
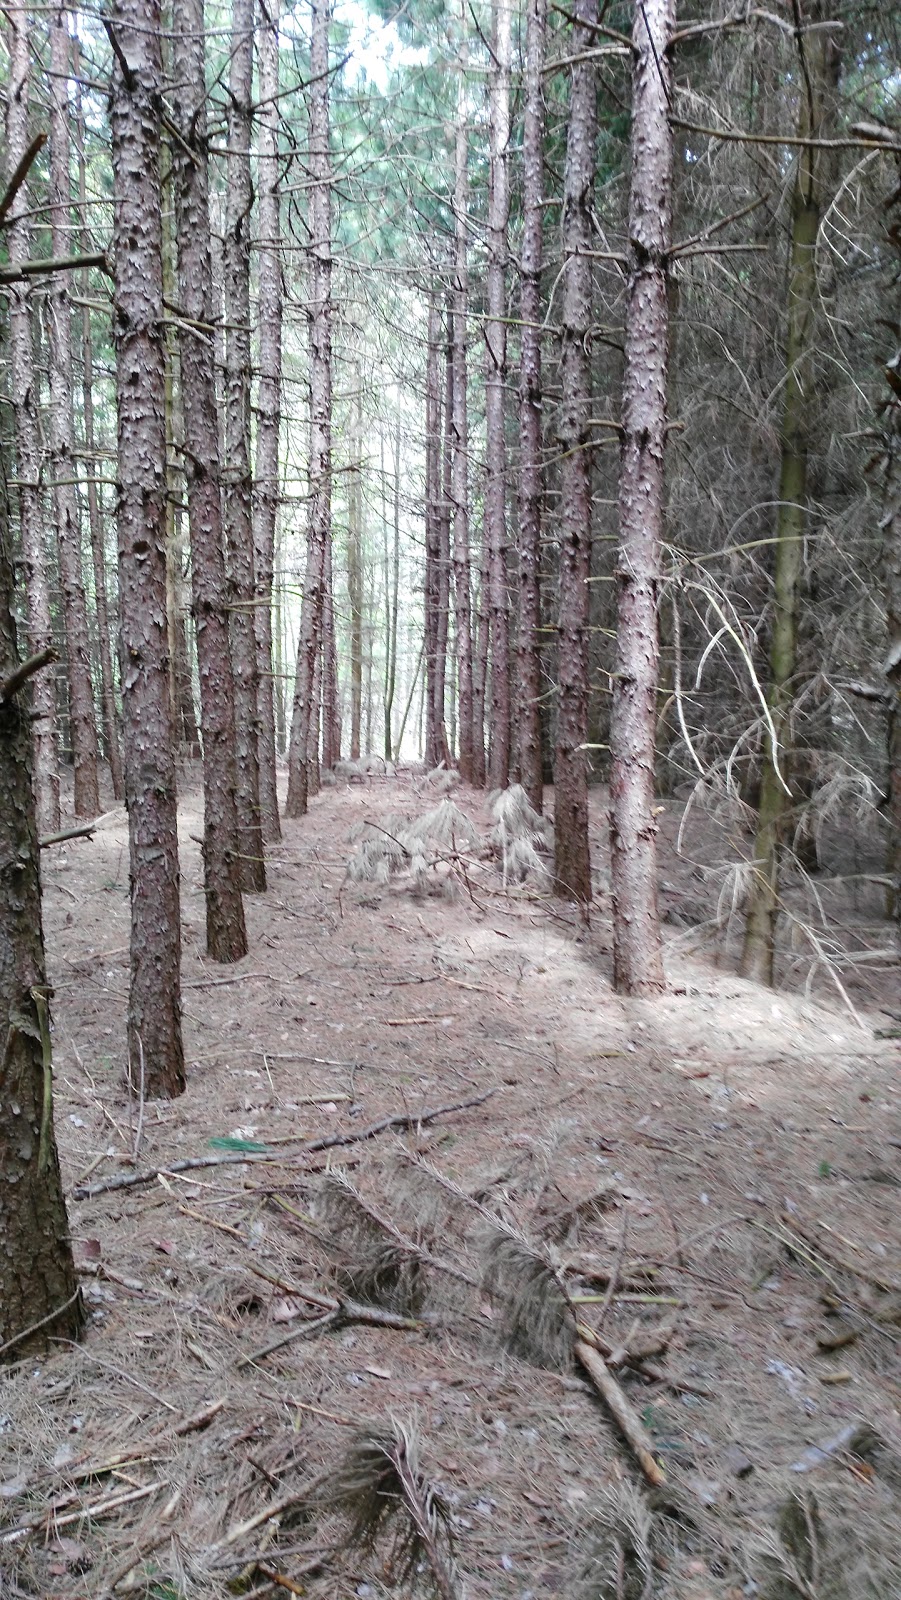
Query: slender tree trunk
(819, 74)
(528, 648)
(331, 707)
(226, 934)
(23, 392)
(890, 527)
(237, 480)
(95, 520)
(443, 531)
(392, 600)
(495, 383)
(434, 714)
(61, 460)
(266, 486)
(319, 528)
(155, 1055)
(480, 668)
(355, 565)
(39, 1295)
(460, 443)
(637, 954)
(572, 863)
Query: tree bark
(460, 442)
(331, 707)
(61, 463)
(392, 598)
(95, 518)
(266, 484)
(355, 564)
(24, 397)
(226, 933)
(237, 481)
(572, 862)
(637, 953)
(435, 742)
(39, 1295)
(155, 1054)
(529, 753)
(818, 78)
(319, 527)
(495, 383)
(443, 532)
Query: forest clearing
(450, 799)
(713, 1175)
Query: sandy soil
(714, 1175)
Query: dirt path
(731, 1157)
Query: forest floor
(712, 1175)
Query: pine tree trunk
(61, 462)
(480, 667)
(392, 599)
(154, 1014)
(226, 933)
(39, 1295)
(460, 444)
(95, 520)
(24, 396)
(266, 485)
(331, 708)
(798, 419)
(495, 383)
(637, 955)
(319, 527)
(355, 565)
(572, 863)
(444, 551)
(237, 481)
(434, 745)
(529, 753)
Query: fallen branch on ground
(331, 1141)
(630, 1425)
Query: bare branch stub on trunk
(154, 1011)
(572, 861)
(637, 957)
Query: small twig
(36, 1327)
(628, 1422)
(26, 669)
(23, 168)
(341, 1311)
(200, 1419)
(613, 1282)
(139, 1131)
(86, 832)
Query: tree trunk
(572, 862)
(637, 955)
(890, 527)
(95, 519)
(444, 551)
(155, 1055)
(392, 597)
(435, 749)
(331, 707)
(355, 564)
(820, 71)
(528, 650)
(39, 1295)
(495, 383)
(226, 934)
(460, 442)
(319, 527)
(266, 486)
(24, 395)
(237, 481)
(480, 667)
(61, 461)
